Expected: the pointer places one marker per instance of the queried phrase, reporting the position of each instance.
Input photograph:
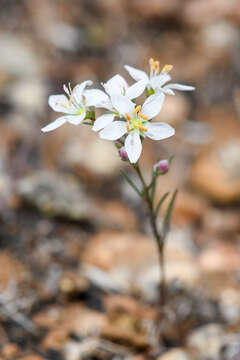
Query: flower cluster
(124, 120)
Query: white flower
(73, 106)
(117, 85)
(156, 80)
(136, 124)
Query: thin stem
(149, 198)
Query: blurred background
(78, 266)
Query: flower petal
(158, 81)
(97, 98)
(159, 131)
(117, 85)
(78, 89)
(122, 104)
(113, 131)
(55, 124)
(153, 105)
(75, 119)
(102, 121)
(136, 89)
(136, 74)
(179, 87)
(133, 146)
(60, 103)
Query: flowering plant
(127, 123)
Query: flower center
(137, 121)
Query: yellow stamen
(145, 117)
(127, 126)
(152, 62)
(167, 68)
(127, 116)
(63, 105)
(137, 109)
(157, 67)
(142, 128)
(70, 100)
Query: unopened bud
(123, 154)
(161, 166)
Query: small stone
(10, 350)
(216, 173)
(18, 58)
(207, 340)
(174, 354)
(55, 195)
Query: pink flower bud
(123, 154)
(161, 166)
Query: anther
(167, 68)
(142, 128)
(137, 109)
(152, 62)
(127, 116)
(145, 117)
(157, 63)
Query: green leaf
(167, 217)
(161, 202)
(131, 183)
(171, 159)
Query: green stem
(149, 198)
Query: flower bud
(123, 154)
(161, 166)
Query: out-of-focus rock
(220, 223)
(188, 209)
(175, 110)
(55, 195)
(155, 8)
(219, 38)
(18, 58)
(62, 195)
(29, 95)
(125, 321)
(174, 354)
(131, 260)
(207, 340)
(12, 270)
(220, 258)
(77, 350)
(90, 156)
(216, 172)
(73, 319)
(10, 351)
(202, 12)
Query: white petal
(122, 104)
(136, 89)
(179, 87)
(133, 146)
(78, 89)
(75, 119)
(97, 98)
(55, 124)
(113, 131)
(159, 131)
(102, 121)
(117, 85)
(167, 91)
(136, 74)
(158, 81)
(60, 103)
(153, 105)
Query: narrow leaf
(161, 202)
(167, 217)
(131, 183)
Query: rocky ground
(78, 265)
